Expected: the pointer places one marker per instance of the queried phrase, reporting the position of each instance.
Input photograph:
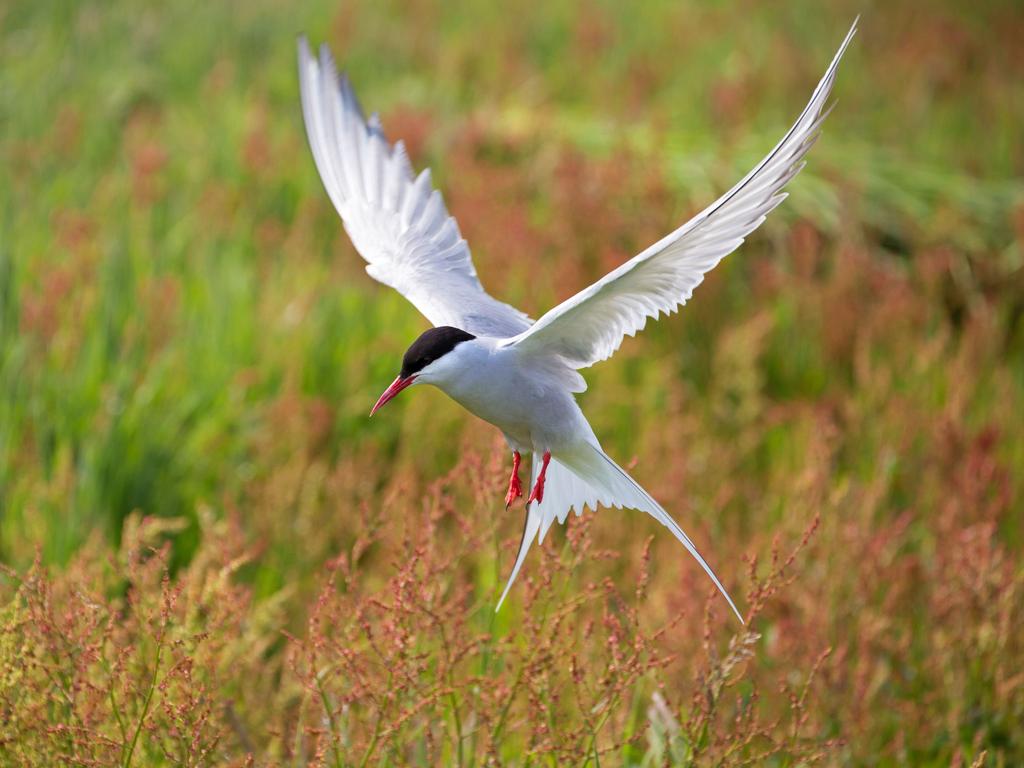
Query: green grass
(186, 334)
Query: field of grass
(210, 556)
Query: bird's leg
(537, 494)
(515, 488)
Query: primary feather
(590, 326)
(398, 223)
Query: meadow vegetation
(210, 556)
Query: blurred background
(212, 557)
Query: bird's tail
(587, 476)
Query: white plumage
(517, 374)
(590, 326)
(398, 223)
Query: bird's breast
(528, 407)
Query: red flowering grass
(116, 662)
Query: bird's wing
(397, 222)
(590, 326)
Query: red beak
(396, 386)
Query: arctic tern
(519, 374)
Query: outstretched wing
(591, 325)
(398, 223)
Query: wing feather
(397, 222)
(590, 326)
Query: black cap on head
(432, 344)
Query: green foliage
(212, 557)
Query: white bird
(517, 374)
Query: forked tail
(587, 476)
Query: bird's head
(427, 361)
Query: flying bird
(519, 374)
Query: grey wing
(397, 222)
(590, 326)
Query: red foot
(515, 488)
(537, 494)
